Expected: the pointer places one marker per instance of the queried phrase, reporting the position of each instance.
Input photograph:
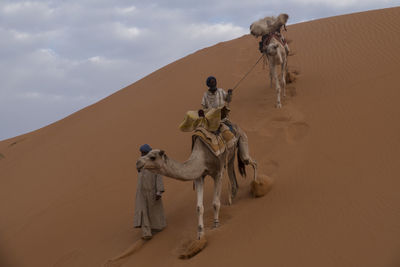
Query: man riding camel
(215, 97)
(218, 98)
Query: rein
(237, 84)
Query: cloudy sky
(58, 56)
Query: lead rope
(237, 84)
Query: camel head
(272, 49)
(154, 161)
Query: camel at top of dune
(274, 50)
(203, 162)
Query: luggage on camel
(210, 129)
(268, 28)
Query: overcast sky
(59, 56)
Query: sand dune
(67, 190)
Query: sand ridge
(67, 190)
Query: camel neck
(191, 169)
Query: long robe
(149, 212)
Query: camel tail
(241, 164)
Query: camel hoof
(193, 247)
(261, 186)
(279, 105)
(216, 224)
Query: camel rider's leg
(228, 123)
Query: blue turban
(145, 148)
(209, 80)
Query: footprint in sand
(2, 156)
(281, 119)
(296, 131)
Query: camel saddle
(266, 39)
(210, 129)
(218, 141)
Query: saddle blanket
(217, 143)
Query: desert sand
(67, 190)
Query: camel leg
(278, 94)
(244, 146)
(230, 195)
(217, 197)
(271, 85)
(200, 208)
(233, 185)
(271, 70)
(287, 50)
(283, 73)
(253, 164)
(244, 151)
(277, 87)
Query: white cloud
(20, 35)
(96, 59)
(14, 8)
(28, 9)
(47, 52)
(124, 32)
(34, 95)
(126, 10)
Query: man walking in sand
(149, 211)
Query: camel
(276, 55)
(274, 50)
(203, 162)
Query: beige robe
(149, 212)
(214, 100)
